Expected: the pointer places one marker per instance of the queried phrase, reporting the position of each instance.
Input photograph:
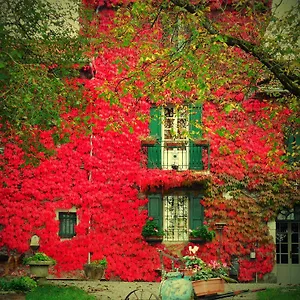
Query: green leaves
(38, 50)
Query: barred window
(67, 222)
(176, 218)
(176, 214)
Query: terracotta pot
(187, 272)
(208, 287)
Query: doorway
(288, 248)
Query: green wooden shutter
(293, 146)
(196, 212)
(154, 152)
(195, 159)
(155, 208)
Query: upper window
(175, 123)
(176, 214)
(67, 223)
(173, 126)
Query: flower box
(201, 142)
(174, 144)
(148, 141)
(208, 287)
(196, 240)
(153, 239)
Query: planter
(201, 142)
(153, 239)
(174, 144)
(39, 269)
(93, 272)
(196, 240)
(149, 143)
(208, 287)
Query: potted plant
(206, 278)
(201, 234)
(95, 269)
(151, 231)
(39, 264)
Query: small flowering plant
(202, 270)
(151, 228)
(213, 269)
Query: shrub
(203, 232)
(151, 228)
(24, 284)
(100, 263)
(39, 256)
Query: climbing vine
(94, 162)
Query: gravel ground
(115, 290)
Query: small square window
(67, 222)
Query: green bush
(39, 256)
(100, 262)
(23, 284)
(151, 228)
(203, 232)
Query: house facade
(211, 163)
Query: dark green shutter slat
(154, 152)
(196, 212)
(195, 160)
(155, 208)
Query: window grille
(67, 222)
(176, 218)
(175, 129)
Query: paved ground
(116, 290)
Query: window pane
(284, 258)
(67, 222)
(295, 259)
(284, 248)
(176, 218)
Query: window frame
(73, 212)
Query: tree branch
(288, 81)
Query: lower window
(175, 218)
(67, 222)
(176, 213)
